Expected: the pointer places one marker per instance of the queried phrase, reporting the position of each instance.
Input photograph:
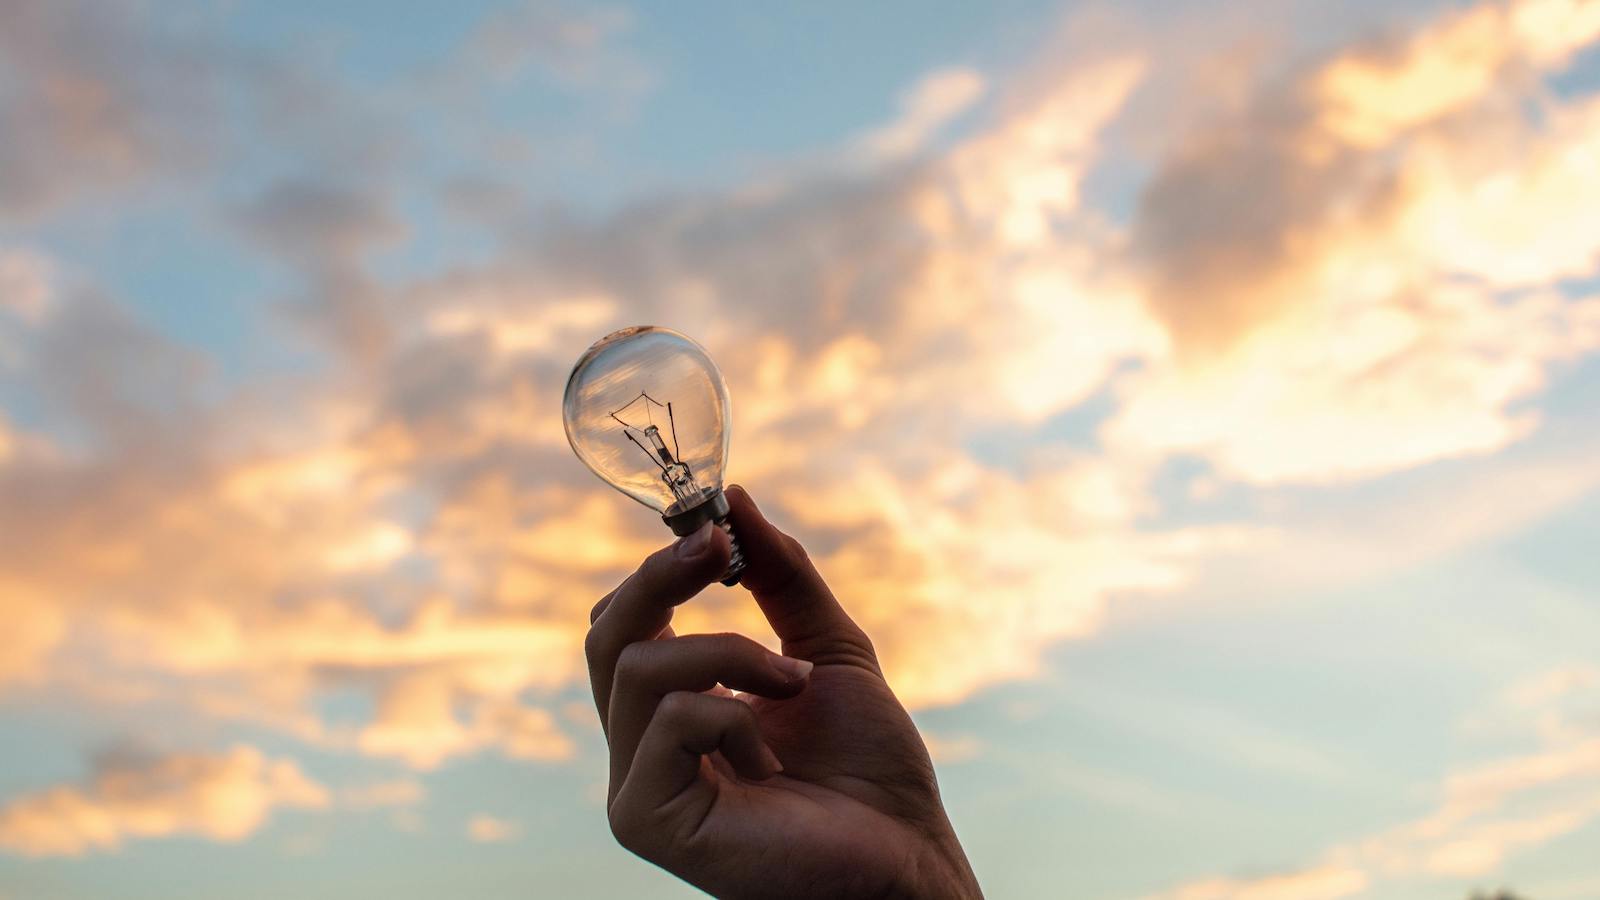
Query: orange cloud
(963, 575)
(1371, 98)
(419, 721)
(225, 797)
(34, 632)
(1323, 883)
(1334, 264)
(25, 285)
(489, 830)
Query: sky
(1199, 405)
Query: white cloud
(937, 99)
(1360, 386)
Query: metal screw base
(712, 507)
(735, 557)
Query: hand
(812, 783)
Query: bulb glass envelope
(647, 411)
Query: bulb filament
(674, 471)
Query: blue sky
(1195, 402)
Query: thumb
(792, 595)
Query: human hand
(812, 783)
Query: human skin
(811, 782)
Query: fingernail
(695, 544)
(791, 668)
(773, 764)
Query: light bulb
(647, 411)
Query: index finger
(641, 607)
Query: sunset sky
(1198, 403)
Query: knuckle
(600, 607)
(658, 572)
(744, 713)
(751, 653)
(623, 827)
(866, 646)
(795, 550)
(657, 564)
(594, 644)
(725, 642)
(741, 719)
(677, 707)
(632, 662)
(793, 561)
(737, 650)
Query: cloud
(222, 797)
(1492, 810)
(325, 233)
(1362, 387)
(511, 331)
(25, 652)
(1520, 220)
(569, 43)
(1346, 541)
(1558, 694)
(1485, 814)
(409, 525)
(318, 224)
(96, 100)
(25, 284)
(417, 720)
(1356, 281)
(1046, 550)
(412, 525)
(104, 98)
(296, 540)
(94, 372)
(1322, 883)
(1250, 216)
(924, 110)
(487, 829)
(953, 748)
(1371, 97)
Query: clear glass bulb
(647, 411)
